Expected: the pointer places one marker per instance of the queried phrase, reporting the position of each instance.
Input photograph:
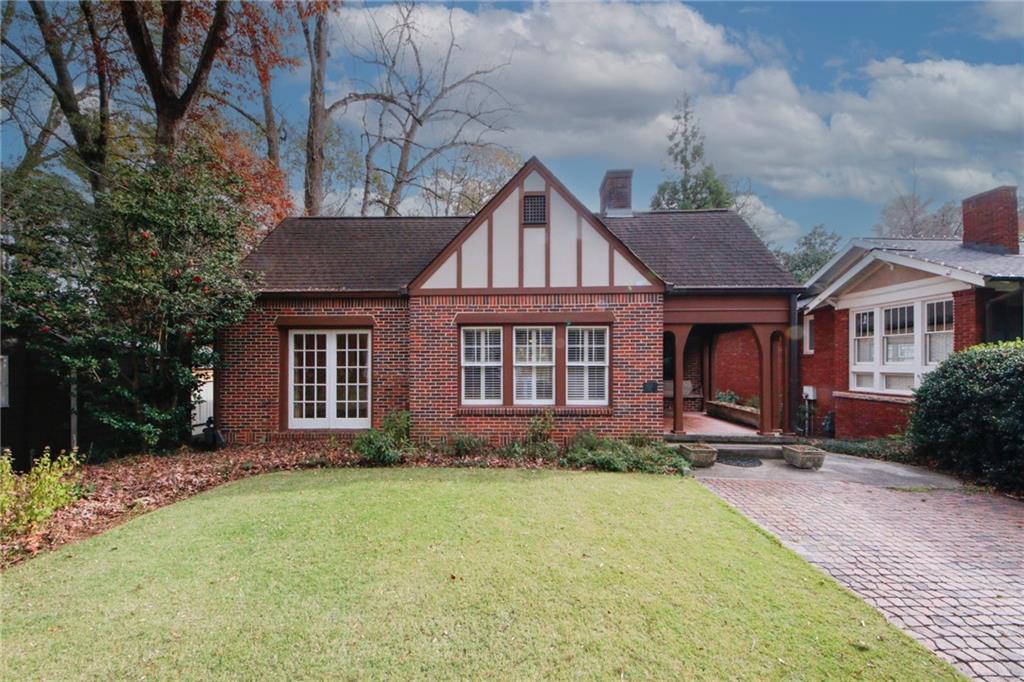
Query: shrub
(28, 499)
(727, 397)
(753, 401)
(398, 425)
(537, 444)
(887, 449)
(969, 415)
(588, 451)
(376, 448)
(465, 445)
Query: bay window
(534, 365)
(481, 366)
(908, 340)
(587, 366)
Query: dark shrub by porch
(969, 414)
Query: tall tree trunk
(270, 127)
(402, 169)
(313, 184)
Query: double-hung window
(587, 365)
(898, 334)
(864, 337)
(481, 365)
(534, 365)
(938, 333)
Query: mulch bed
(121, 489)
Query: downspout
(794, 370)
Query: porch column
(763, 334)
(680, 332)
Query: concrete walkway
(942, 562)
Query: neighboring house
(477, 324)
(885, 312)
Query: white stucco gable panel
(474, 259)
(595, 257)
(533, 183)
(534, 257)
(564, 224)
(445, 276)
(506, 243)
(626, 274)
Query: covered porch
(733, 355)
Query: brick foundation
(867, 416)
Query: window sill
(529, 410)
(902, 399)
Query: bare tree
(909, 214)
(90, 130)
(433, 111)
(463, 185)
(163, 71)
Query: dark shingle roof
(687, 249)
(349, 254)
(701, 249)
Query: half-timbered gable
(535, 235)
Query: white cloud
(955, 125)
(1002, 20)
(772, 225)
(602, 79)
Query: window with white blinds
(534, 365)
(481, 365)
(586, 365)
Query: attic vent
(535, 210)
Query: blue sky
(828, 109)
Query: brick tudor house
(621, 322)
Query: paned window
(938, 335)
(587, 365)
(864, 337)
(898, 334)
(481, 365)
(534, 365)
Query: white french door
(329, 378)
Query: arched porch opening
(707, 367)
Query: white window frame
(516, 364)
(330, 421)
(808, 335)
(588, 363)
(878, 368)
(914, 317)
(929, 334)
(481, 363)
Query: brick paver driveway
(947, 566)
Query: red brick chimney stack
(617, 193)
(990, 221)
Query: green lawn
(442, 573)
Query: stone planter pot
(738, 414)
(699, 454)
(803, 456)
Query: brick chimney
(617, 193)
(990, 221)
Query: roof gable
(571, 249)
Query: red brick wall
(991, 221)
(736, 364)
(969, 317)
(818, 369)
(870, 418)
(246, 388)
(434, 367)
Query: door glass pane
(353, 375)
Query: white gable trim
(895, 259)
